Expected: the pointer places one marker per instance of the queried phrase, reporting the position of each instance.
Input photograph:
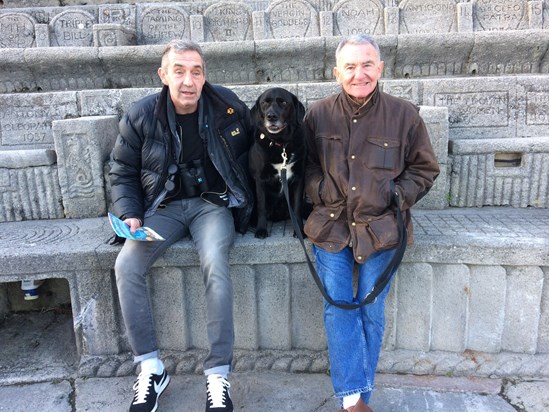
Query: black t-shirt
(193, 155)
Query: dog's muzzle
(275, 128)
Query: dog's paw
(261, 233)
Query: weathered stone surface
(420, 16)
(83, 145)
(25, 119)
(162, 23)
(228, 21)
(73, 28)
(16, 30)
(519, 179)
(294, 18)
(355, 16)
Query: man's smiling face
(358, 69)
(183, 73)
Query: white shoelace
(216, 390)
(141, 387)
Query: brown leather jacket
(353, 155)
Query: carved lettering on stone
(16, 30)
(433, 16)
(500, 14)
(476, 109)
(159, 24)
(537, 108)
(228, 22)
(72, 28)
(358, 16)
(25, 120)
(294, 18)
(117, 14)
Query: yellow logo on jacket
(235, 132)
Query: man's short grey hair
(358, 39)
(183, 45)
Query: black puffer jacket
(148, 144)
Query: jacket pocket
(383, 231)
(383, 153)
(320, 223)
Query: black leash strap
(385, 277)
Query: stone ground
(38, 366)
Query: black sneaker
(148, 387)
(217, 391)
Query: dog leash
(387, 274)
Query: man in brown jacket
(366, 150)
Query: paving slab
(531, 396)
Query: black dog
(278, 115)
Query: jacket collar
(357, 109)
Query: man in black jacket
(179, 167)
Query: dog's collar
(271, 141)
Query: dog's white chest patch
(278, 168)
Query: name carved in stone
(436, 16)
(25, 120)
(72, 28)
(228, 22)
(537, 108)
(294, 18)
(476, 109)
(16, 30)
(500, 14)
(160, 24)
(358, 16)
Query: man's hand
(133, 223)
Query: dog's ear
(299, 110)
(256, 110)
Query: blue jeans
(354, 336)
(212, 230)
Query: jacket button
(385, 144)
(359, 257)
(353, 157)
(353, 188)
(332, 215)
(354, 120)
(353, 224)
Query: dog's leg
(261, 228)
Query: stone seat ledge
(490, 235)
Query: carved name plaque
(476, 109)
(228, 22)
(537, 108)
(358, 16)
(72, 28)
(161, 24)
(16, 30)
(294, 18)
(25, 120)
(432, 16)
(499, 14)
(117, 14)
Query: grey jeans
(212, 230)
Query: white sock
(223, 375)
(152, 365)
(350, 400)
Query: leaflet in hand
(145, 234)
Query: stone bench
(469, 299)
